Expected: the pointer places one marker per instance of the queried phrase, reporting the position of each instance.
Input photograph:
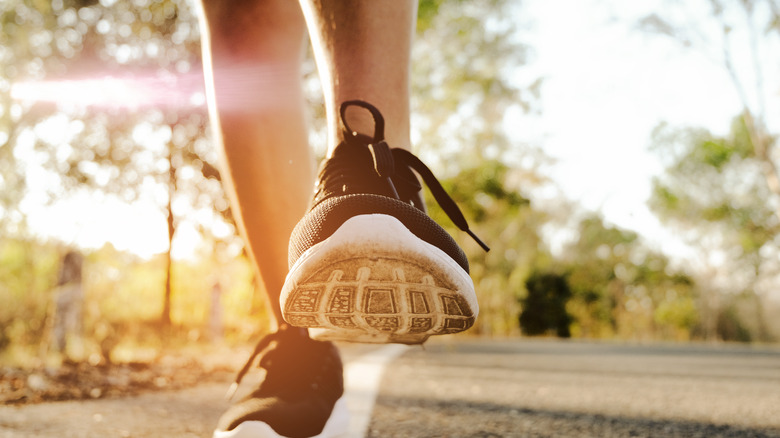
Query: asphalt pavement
(545, 388)
(466, 387)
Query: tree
(622, 289)
(150, 138)
(466, 56)
(748, 30)
(712, 187)
(463, 84)
(153, 149)
(490, 196)
(724, 190)
(544, 308)
(28, 271)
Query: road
(575, 389)
(461, 387)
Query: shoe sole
(336, 426)
(374, 281)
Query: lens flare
(135, 92)
(240, 87)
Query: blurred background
(620, 158)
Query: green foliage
(463, 83)
(680, 315)
(716, 180)
(719, 152)
(28, 272)
(501, 216)
(106, 150)
(426, 11)
(121, 299)
(128, 152)
(717, 186)
(621, 289)
(544, 308)
(724, 190)
(124, 292)
(730, 326)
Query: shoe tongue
(353, 154)
(360, 165)
(351, 170)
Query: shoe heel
(364, 286)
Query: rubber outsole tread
(369, 309)
(363, 286)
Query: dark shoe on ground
(367, 264)
(300, 396)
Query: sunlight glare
(115, 92)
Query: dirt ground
(83, 381)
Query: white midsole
(385, 233)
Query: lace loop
(393, 164)
(379, 121)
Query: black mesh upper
(327, 216)
(304, 379)
(365, 176)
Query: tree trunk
(165, 318)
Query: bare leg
(363, 52)
(252, 59)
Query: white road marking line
(362, 378)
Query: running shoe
(367, 264)
(300, 396)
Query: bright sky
(607, 85)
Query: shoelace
(393, 163)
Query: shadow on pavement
(421, 417)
